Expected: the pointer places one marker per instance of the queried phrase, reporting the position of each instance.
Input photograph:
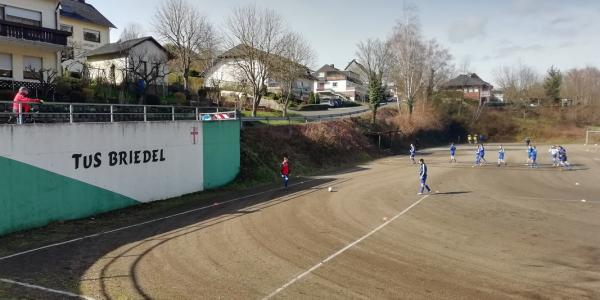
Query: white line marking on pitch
(41, 288)
(149, 222)
(313, 268)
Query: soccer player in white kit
(554, 154)
(413, 152)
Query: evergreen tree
(317, 99)
(552, 84)
(376, 94)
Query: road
(490, 233)
(333, 111)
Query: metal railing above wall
(54, 112)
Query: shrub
(152, 99)
(202, 93)
(65, 86)
(349, 104)
(88, 94)
(76, 96)
(180, 98)
(175, 88)
(317, 99)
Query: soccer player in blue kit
(482, 153)
(534, 157)
(501, 158)
(452, 153)
(562, 157)
(478, 157)
(423, 177)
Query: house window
(6, 65)
(68, 54)
(322, 74)
(476, 90)
(144, 67)
(31, 67)
(1, 12)
(335, 84)
(23, 16)
(67, 28)
(91, 35)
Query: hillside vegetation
(318, 147)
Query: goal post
(592, 136)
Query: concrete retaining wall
(57, 172)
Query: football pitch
(486, 233)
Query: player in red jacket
(285, 171)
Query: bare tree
(215, 82)
(189, 33)
(520, 83)
(147, 67)
(516, 81)
(439, 67)
(409, 59)
(132, 31)
(47, 78)
(291, 67)
(255, 37)
(375, 56)
(583, 85)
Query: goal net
(592, 136)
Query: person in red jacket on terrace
(285, 171)
(21, 97)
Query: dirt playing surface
(490, 233)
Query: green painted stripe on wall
(221, 141)
(32, 197)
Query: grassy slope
(312, 148)
(564, 126)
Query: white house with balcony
(89, 29)
(335, 83)
(30, 42)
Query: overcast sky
(487, 33)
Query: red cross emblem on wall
(194, 134)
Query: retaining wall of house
(58, 172)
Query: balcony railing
(33, 33)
